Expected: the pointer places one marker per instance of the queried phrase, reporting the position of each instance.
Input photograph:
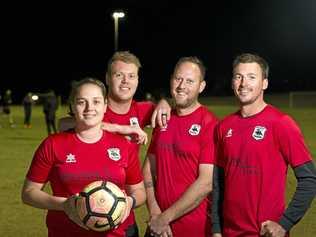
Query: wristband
(133, 202)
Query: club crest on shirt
(133, 121)
(114, 154)
(258, 132)
(195, 129)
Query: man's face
(186, 85)
(248, 83)
(123, 81)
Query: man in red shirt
(122, 81)
(179, 164)
(255, 146)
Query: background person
(50, 106)
(6, 106)
(27, 106)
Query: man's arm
(149, 172)
(301, 200)
(161, 114)
(127, 130)
(190, 199)
(217, 199)
(303, 196)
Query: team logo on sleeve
(114, 154)
(258, 132)
(133, 121)
(195, 129)
(229, 133)
(71, 158)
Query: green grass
(18, 144)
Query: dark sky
(47, 46)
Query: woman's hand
(69, 208)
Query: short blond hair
(124, 56)
(194, 60)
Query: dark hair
(78, 84)
(194, 60)
(252, 58)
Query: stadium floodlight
(116, 15)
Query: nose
(181, 83)
(124, 79)
(243, 81)
(89, 106)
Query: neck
(188, 110)
(119, 107)
(252, 109)
(89, 135)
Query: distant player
(179, 165)
(255, 146)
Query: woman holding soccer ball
(71, 160)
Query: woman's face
(89, 105)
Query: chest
(84, 164)
(181, 137)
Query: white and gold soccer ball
(101, 205)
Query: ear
(202, 86)
(265, 83)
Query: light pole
(116, 16)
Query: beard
(186, 103)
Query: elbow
(25, 197)
(207, 188)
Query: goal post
(304, 99)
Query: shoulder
(115, 138)
(61, 137)
(207, 115)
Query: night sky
(47, 46)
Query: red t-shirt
(179, 149)
(139, 113)
(255, 153)
(70, 164)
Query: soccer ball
(101, 205)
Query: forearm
(191, 198)
(138, 192)
(217, 199)
(152, 203)
(303, 196)
(40, 199)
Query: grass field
(18, 144)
